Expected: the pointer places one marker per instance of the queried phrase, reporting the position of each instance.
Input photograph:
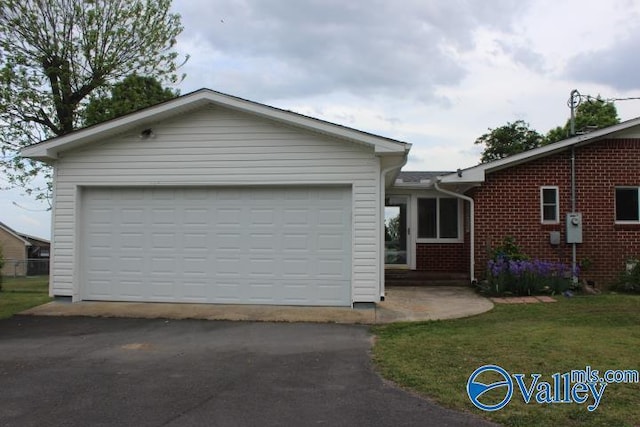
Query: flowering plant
(526, 276)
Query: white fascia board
(48, 150)
(475, 174)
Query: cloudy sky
(435, 73)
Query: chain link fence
(29, 267)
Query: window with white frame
(439, 218)
(549, 205)
(627, 207)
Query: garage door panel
(102, 287)
(194, 241)
(235, 246)
(263, 242)
(193, 291)
(195, 266)
(129, 287)
(226, 241)
(129, 265)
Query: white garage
(271, 245)
(209, 198)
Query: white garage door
(286, 246)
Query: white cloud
(616, 66)
(283, 49)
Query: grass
(21, 293)
(436, 358)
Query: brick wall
(442, 257)
(445, 257)
(508, 204)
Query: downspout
(381, 258)
(574, 102)
(472, 261)
(574, 278)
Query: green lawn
(436, 358)
(21, 293)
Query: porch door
(396, 232)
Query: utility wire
(590, 98)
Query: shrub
(629, 280)
(508, 250)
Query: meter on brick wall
(574, 227)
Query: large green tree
(54, 54)
(131, 94)
(513, 138)
(507, 140)
(590, 114)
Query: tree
(516, 137)
(507, 140)
(133, 93)
(590, 115)
(54, 54)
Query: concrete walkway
(402, 304)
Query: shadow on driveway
(77, 371)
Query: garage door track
(78, 371)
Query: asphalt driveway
(77, 371)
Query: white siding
(214, 146)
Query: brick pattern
(445, 257)
(441, 257)
(508, 204)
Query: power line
(578, 97)
(28, 209)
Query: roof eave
(477, 174)
(48, 150)
(15, 234)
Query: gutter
(472, 261)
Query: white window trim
(459, 239)
(615, 192)
(557, 190)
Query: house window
(627, 208)
(438, 218)
(549, 205)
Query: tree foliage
(590, 115)
(516, 137)
(507, 140)
(54, 54)
(133, 93)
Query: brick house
(454, 219)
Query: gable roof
(14, 233)
(477, 174)
(48, 150)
